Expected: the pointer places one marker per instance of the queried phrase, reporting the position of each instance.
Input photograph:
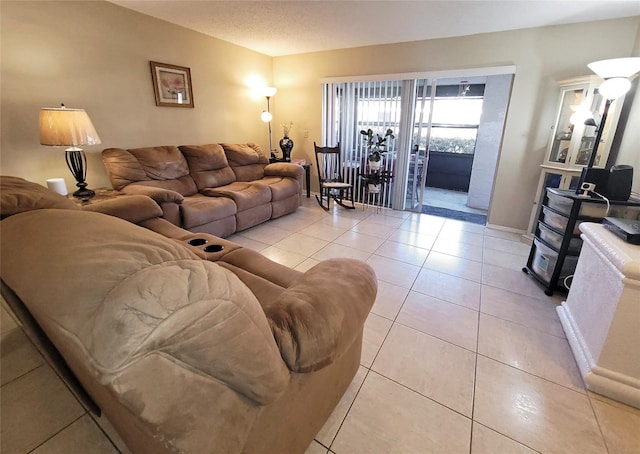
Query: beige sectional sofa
(214, 188)
(187, 342)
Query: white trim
(505, 229)
(443, 74)
(598, 379)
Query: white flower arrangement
(286, 127)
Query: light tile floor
(462, 352)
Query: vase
(286, 145)
(375, 165)
(374, 188)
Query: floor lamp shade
(70, 128)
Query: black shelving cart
(557, 243)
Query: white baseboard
(505, 229)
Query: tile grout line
(507, 436)
(333, 439)
(440, 404)
(595, 415)
(60, 431)
(93, 419)
(534, 375)
(475, 374)
(44, 363)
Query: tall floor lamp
(617, 74)
(70, 128)
(266, 116)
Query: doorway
(448, 133)
(445, 129)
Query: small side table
(102, 194)
(307, 173)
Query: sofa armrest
(318, 317)
(159, 195)
(284, 169)
(132, 208)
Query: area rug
(453, 214)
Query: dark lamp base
(84, 193)
(77, 162)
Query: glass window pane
(457, 111)
(453, 140)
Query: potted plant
(375, 179)
(376, 144)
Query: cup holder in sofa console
(213, 248)
(197, 241)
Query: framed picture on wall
(172, 85)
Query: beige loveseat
(215, 188)
(187, 342)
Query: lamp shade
(615, 87)
(266, 116)
(66, 127)
(616, 67)
(269, 91)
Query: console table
(601, 316)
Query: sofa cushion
(281, 187)
(246, 160)
(153, 297)
(183, 186)
(208, 165)
(18, 195)
(199, 210)
(162, 167)
(245, 195)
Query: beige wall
(95, 55)
(542, 56)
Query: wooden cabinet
(570, 145)
(557, 243)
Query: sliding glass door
(435, 121)
(445, 128)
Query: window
(456, 117)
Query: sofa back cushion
(208, 165)
(246, 160)
(18, 195)
(162, 167)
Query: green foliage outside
(451, 145)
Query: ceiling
(279, 28)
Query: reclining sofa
(215, 188)
(185, 341)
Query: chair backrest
(329, 163)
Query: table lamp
(69, 128)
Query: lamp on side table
(70, 127)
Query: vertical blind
(350, 107)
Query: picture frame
(172, 85)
